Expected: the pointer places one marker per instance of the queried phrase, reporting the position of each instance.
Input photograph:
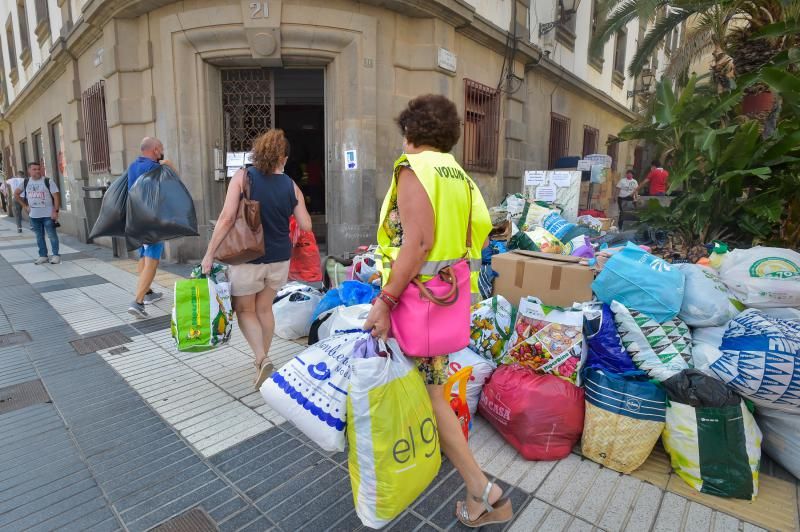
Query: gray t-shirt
(38, 198)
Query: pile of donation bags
(703, 359)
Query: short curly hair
(268, 149)
(431, 120)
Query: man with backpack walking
(42, 200)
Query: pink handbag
(433, 318)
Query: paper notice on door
(231, 171)
(546, 193)
(584, 165)
(560, 179)
(535, 178)
(234, 158)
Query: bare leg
(245, 307)
(140, 266)
(266, 317)
(457, 450)
(147, 272)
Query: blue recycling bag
(605, 349)
(349, 293)
(642, 282)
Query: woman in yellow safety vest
(422, 226)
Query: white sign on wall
(350, 160)
(446, 60)
(535, 177)
(584, 165)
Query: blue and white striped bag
(624, 418)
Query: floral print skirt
(433, 369)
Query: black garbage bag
(694, 388)
(111, 221)
(160, 208)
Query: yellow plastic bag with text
(393, 440)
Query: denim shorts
(151, 251)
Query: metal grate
(559, 138)
(248, 100)
(613, 150)
(95, 128)
(590, 137)
(15, 338)
(22, 395)
(481, 126)
(91, 344)
(194, 520)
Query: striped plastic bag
(201, 314)
(392, 436)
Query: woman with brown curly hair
(431, 205)
(255, 284)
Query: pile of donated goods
(573, 343)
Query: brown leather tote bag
(245, 240)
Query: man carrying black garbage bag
(152, 155)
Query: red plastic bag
(541, 416)
(305, 264)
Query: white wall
(497, 12)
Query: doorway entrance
(258, 99)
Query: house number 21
(259, 9)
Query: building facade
(84, 80)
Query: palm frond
(618, 16)
(654, 38)
(698, 41)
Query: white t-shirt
(626, 187)
(15, 183)
(39, 199)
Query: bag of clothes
(160, 207)
(294, 309)
(624, 419)
(711, 437)
(202, 316)
(541, 416)
(763, 277)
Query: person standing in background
(15, 209)
(626, 191)
(42, 201)
(657, 177)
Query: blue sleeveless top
(276, 194)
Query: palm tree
(715, 29)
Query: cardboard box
(557, 280)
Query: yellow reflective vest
(448, 187)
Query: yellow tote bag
(392, 436)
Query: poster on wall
(560, 187)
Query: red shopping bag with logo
(541, 416)
(305, 264)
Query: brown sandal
(501, 512)
(264, 372)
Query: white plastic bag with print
(294, 309)
(762, 277)
(392, 438)
(311, 390)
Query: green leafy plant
(735, 178)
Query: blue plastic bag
(348, 294)
(557, 226)
(642, 282)
(605, 349)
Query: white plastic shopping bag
(481, 370)
(311, 390)
(294, 309)
(393, 440)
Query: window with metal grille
(41, 10)
(590, 138)
(481, 126)
(95, 128)
(619, 52)
(23, 155)
(24, 37)
(38, 150)
(559, 139)
(12, 48)
(613, 151)
(248, 102)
